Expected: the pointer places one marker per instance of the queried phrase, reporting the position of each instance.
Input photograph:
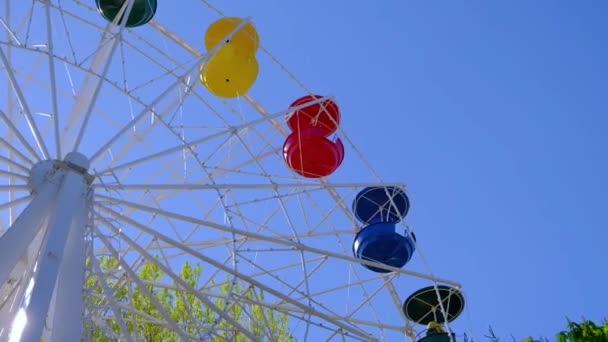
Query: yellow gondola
(245, 40)
(229, 73)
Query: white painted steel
(157, 172)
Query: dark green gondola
(428, 305)
(142, 12)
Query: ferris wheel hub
(77, 161)
(39, 173)
(43, 170)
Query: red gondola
(310, 154)
(324, 115)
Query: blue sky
(495, 115)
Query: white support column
(21, 276)
(71, 192)
(69, 300)
(16, 239)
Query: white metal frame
(46, 247)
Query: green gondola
(142, 12)
(432, 306)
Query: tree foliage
(143, 319)
(585, 331)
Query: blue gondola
(381, 204)
(381, 243)
(380, 209)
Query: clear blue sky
(495, 114)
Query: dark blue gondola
(381, 204)
(142, 12)
(381, 243)
(380, 209)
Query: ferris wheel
(148, 181)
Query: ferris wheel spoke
(198, 186)
(217, 171)
(102, 59)
(345, 286)
(212, 276)
(24, 105)
(134, 277)
(11, 126)
(91, 73)
(14, 151)
(214, 173)
(280, 199)
(378, 324)
(114, 290)
(212, 243)
(108, 82)
(354, 272)
(143, 113)
(73, 15)
(260, 109)
(15, 202)
(325, 216)
(150, 319)
(261, 237)
(387, 279)
(183, 79)
(397, 303)
(10, 34)
(346, 318)
(192, 143)
(91, 86)
(180, 175)
(175, 278)
(158, 117)
(158, 211)
(267, 325)
(173, 227)
(243, 277)
(277, 269)
(293, 288)
(269, 271)
(14, 164)
(53, 78)
(180, 293)
(123, 253)
(115, 179)
(109, 296)
(141, 315)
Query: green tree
(585, 331)
(185, 309)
